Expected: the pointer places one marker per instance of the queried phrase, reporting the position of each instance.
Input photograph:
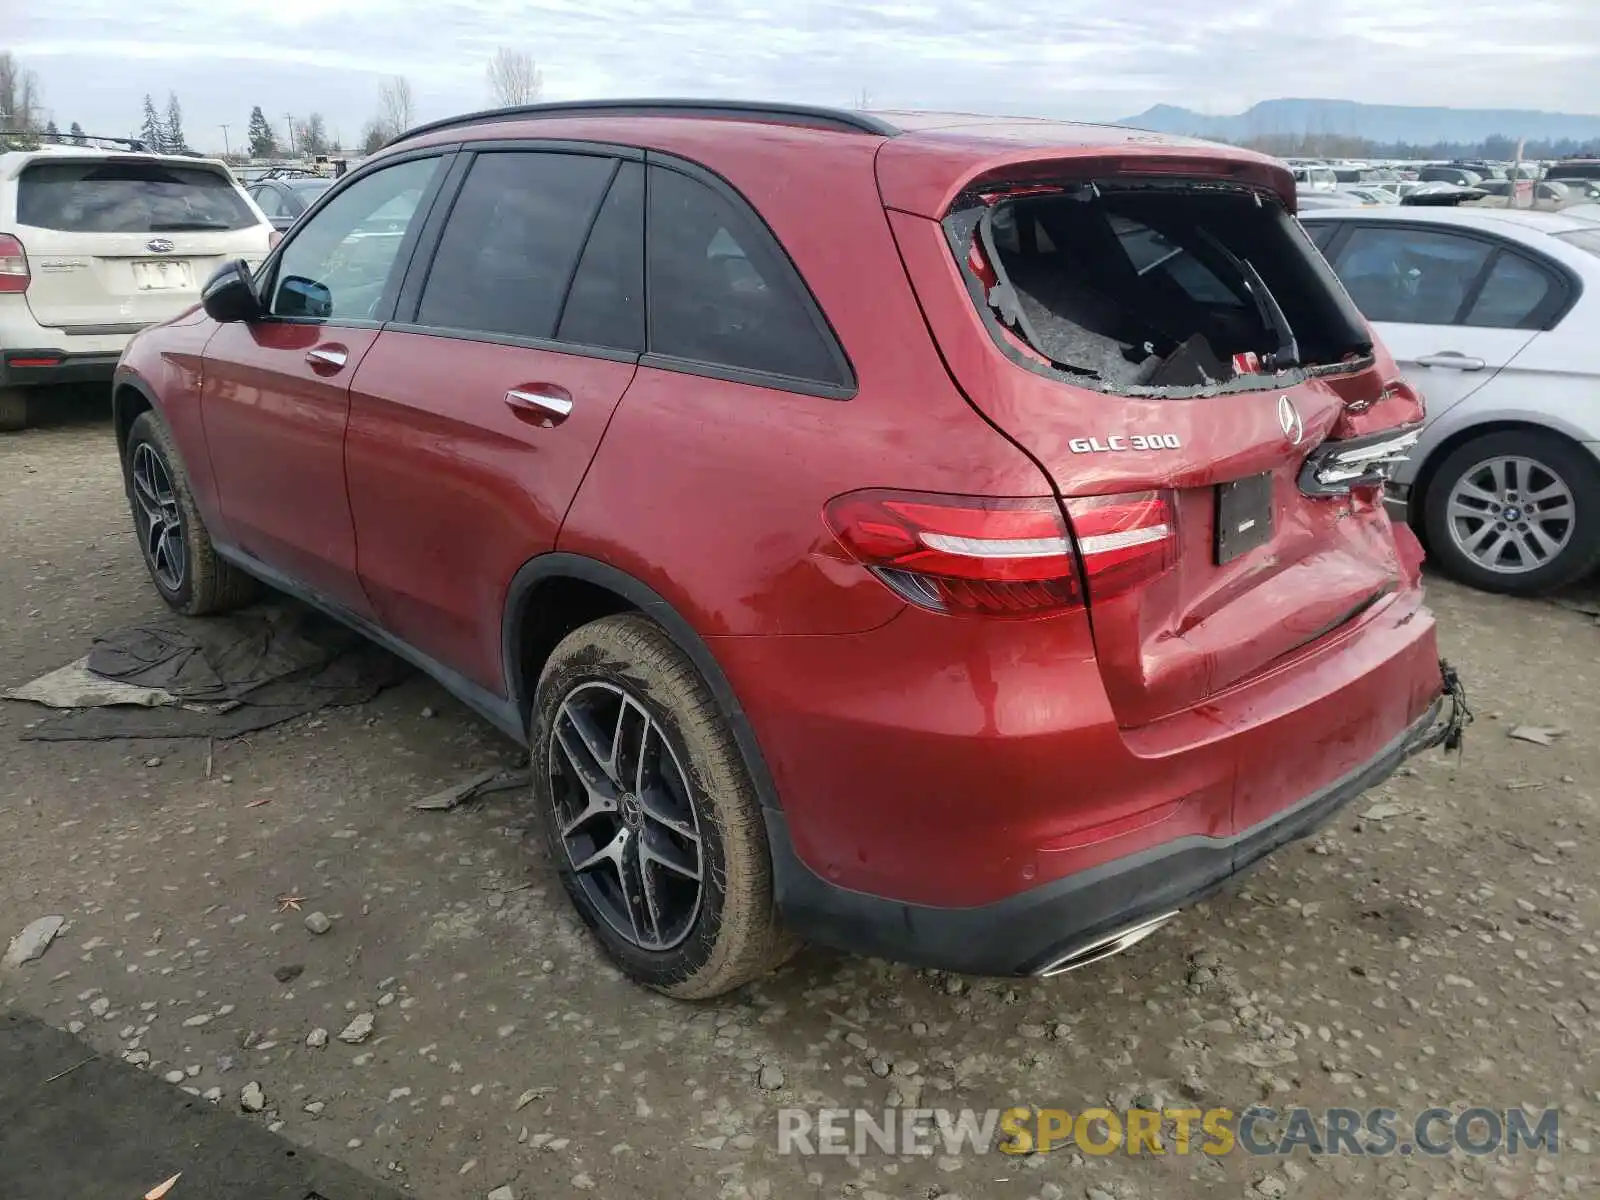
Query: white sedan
(1494, 315)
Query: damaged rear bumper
(1084, 917)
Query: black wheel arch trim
(561, 564)
(127, 379)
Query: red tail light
(962, 554)
(1124, 540)
(1005, 558)
(14, 275)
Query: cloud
(1095, 60)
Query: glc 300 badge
(1117, 441)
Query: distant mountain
(1385, 123)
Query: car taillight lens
(1124, 540)
(962, 554)
(1007, 557)
(14, 275)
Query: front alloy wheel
(157, 517)
(626, 816)
(173, 541)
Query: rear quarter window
(723, 294)
(129, 197)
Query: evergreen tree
(263, 142)
(77, 135)
(174, 126)
(152, 133)
(51, 133)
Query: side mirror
(302, 297)
(230, 293)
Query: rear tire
(13, 409)
(1539, 496)
(183, 564)
(683, 795)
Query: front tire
(183, 564)
(649, 813)
(1515, 512)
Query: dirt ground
(1441, 951)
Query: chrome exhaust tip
(1105, 947)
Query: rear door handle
(1453, 360)
(330, 357)
(544, 403)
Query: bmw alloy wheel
(1511, 514)
(625, 816)
(156, 514)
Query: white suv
(96, 244)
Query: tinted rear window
(721, 290)
(117, 197)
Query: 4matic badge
(1117, 441)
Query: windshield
(129, 197)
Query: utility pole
(288, 119)
(227, 150)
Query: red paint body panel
(168, 360)
(1203, 626)
(712, 492)
(918, 757)
(947, 761)
(275, 426)
(452, 490)
(924, 172)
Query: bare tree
(373, 137)
(19, 96)
(514, 78)
(863, 99)
(397, 110)
(312, 135)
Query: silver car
(1494, 315)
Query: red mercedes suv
(950, 538)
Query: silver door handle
(1457, 362)
(321, 357)
(556, 406)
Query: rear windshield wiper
(180, 226)
(1288, 352)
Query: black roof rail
(811, 116)
(72, 139)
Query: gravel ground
(1436, 945)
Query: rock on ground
(251, 1098)
(33, 941)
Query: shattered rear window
(1138, 287)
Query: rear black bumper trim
(63, 367)
(1022, 934)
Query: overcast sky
(1094, 59)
